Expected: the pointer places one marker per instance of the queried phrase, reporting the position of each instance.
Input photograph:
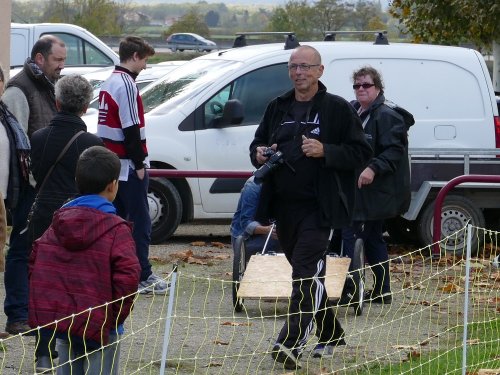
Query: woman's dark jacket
(345, 149)
(389, 194)
(46, 145)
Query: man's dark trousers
(304, 243)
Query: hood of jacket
(77, 227)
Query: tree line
(429, 21)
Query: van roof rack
(290, 41)
(380, 35)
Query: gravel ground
(208, 337)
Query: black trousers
(371, 232)
(304, 243)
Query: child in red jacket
(69, 271)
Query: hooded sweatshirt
(85, 259)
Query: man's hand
(312, 148)
(261, 159)
(141, 173)
(366, 177)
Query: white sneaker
(154, 285)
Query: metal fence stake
(168, 320)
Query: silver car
(190, 41)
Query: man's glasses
(303, 67)
(356, 86)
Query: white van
(86, 52)
(189, 124)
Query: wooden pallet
(270, 276)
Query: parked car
(86, 52)
(145, 77)
(190, 41)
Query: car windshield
(176, 87)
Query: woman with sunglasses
(384, 183)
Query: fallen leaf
(473, 341)
(222, 257)
(236, 324)
(212, 364)
(452, 288)
(414, 354)
(182, 255)
(404, 347)
(217, 342)
(198, 243)
(220, 245)
(425, 342)
(193, 260)
(425, 303)
(411, 285)
(482, 285)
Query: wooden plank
(268, 276)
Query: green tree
(366, 13)
(212, 18)
(101, 17)
(296, 16)
(453, 22)
(449, 22)
(191, 22)
(332, 14)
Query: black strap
(73, 138)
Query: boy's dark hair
(95, 169)
(131, 44)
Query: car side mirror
(233, 113)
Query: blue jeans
(103, 361)
(132, 204)
(16, 262)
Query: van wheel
(455, 214)
(173, 48)
(165, 209)
(401, 231)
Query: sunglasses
(356, 86)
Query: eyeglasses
(303, 67)
(356, 86)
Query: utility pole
(5, 17)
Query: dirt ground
(208, 337)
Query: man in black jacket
(312, 192)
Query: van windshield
(179, 85)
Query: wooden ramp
(270, 276)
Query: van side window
(254, 90)
(80, 52)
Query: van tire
(165, 209)
(455, 213)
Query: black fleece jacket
(345, 148)
(389, 194)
